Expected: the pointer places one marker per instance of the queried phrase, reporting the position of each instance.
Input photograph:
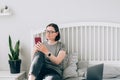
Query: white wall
(32, 14)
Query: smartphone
(37, 39)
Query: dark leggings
(39, 70)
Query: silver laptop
(95, 72)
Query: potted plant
(14, 60)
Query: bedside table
(6, 75)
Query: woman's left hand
(41, 47)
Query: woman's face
(51, 33)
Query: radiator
(93, 41)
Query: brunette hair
(55, 26)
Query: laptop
(95, 72)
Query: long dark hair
(55, 26)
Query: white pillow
(71, 69)
(72, 58)
(82, 64)
(111, 71)
(70, 72)
(82, 72)
(82, 68)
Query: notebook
(95, 72)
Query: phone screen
(37, 39)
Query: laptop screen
(95, 72)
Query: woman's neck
(52, 42)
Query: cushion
(82, 68)
(77, 78)
(72, 58)
(82, 64)
(82, 72)
(111, 71)
(71, 69)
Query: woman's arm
(55, 59)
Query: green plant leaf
(10, 57)
(10, 46)
(17, 48)
(14, 51)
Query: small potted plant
(14, 60)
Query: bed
(88, 44)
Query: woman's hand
(40, 47)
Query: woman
(48, 56)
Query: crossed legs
(38, 70)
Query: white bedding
(110, 72)
(112, 79)
(79, 78)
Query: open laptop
(95, 72)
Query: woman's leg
(36, 65)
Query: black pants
(39, 70)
